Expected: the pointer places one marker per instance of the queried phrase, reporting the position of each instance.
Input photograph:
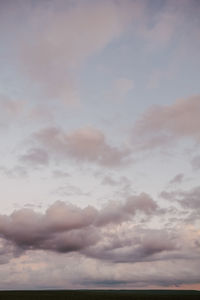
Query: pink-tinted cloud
(161, 257)
(141, 245)
(87, 144)
(9, 110)
(64, 227)
(161, 125)
(51, 41)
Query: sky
(100, 144)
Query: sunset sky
(100, 144)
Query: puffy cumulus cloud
(116, 212)
(52, 39)
(100, 254)
(86, 145)
(62, 227)
(160, 125)
(66, 227)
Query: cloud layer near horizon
(66, 227)
(116, 234)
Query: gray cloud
(62, 227)
(135, 245)
(60, 174)
(66, 227)
(195, 162)
(7, 251)
(35, 157)
(87, 236)
(116, 212)
(189, 199)
(177, 179)
(16, 171)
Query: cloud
(190, 199)
(9, 110)
(116, 212)
(44, 270)
(16, 171)
(122, 181)
(36, 157)
(187, 199)
(61, 229)
(195, 162)
(7, 251)
(134, 244)
(160, 125)
(51, 40)
(70, 190)
(168, 23)
(60, 174)
(66, 227)
(177, 179)
(83, 145)
(99, 254)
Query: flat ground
(100, 294)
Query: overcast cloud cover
(100, 144)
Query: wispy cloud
(161, 125)
(84, 145)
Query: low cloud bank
(66, 227)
